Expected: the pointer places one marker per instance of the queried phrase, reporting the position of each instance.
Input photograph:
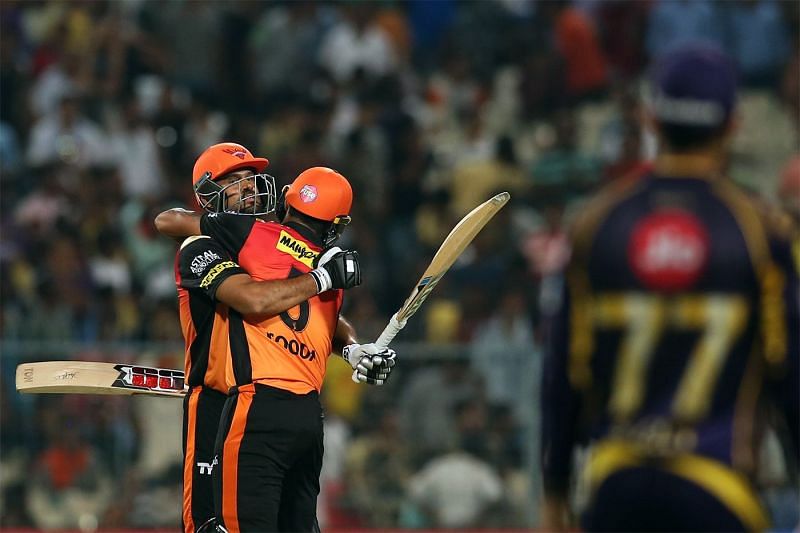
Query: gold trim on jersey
(581, 330)
(215, 271)
(770, 279)
(744, 413)
(729, 487)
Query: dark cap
(694, 85)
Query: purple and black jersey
(678, 331)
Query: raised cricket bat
(454, 244)
(83, 377)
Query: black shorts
(270, 455)
(202, 409)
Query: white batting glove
(371, 364)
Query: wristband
(322, 279)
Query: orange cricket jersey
(288, 351)
(201, 265)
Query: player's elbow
(248, 304)
(165, 223)
(246, 298)
(177, 223)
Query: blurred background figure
(675, 351)
(429, 107)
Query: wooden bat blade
(83, 377)
(451, 248)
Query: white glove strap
(348, 353)
(322, 279)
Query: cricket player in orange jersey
(269, 448)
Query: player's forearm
(265, 298)
(345, 334)
(178, 223)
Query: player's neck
(700, 164)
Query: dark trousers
(269, 447)
(650, 499)
(202, 409)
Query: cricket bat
(454, 244)
(83, 377)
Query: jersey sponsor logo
(216, 271)
(206, 468)
(200, 262)
(668, 250)
(308, 194)
(297, 249)
(293, 346)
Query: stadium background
(428, 107)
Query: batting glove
(337, 269)
(371, 364)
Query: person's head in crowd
(566, 131)
(504, 150)
(693, 97)
(471, 421)
(69, 108)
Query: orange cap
(320, 192)
(224, 158)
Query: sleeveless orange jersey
(288, 351)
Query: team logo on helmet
(235, 152)
(308, 193)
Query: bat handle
(390, 331)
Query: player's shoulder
(777, 223)
(590, 214)
(197, 239)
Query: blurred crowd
(428, 108)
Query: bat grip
(390, 331)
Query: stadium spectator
(673, 23)
(759, 41)
(378, 462)
(357, 43)
(460, 489)
(577, 42)
(68, 137)
(69, 487)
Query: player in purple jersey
(677, 340)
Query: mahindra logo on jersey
(297, 249)
(668, 250)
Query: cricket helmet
(320, 193)
(220, 160)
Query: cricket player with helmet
(269, 445)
